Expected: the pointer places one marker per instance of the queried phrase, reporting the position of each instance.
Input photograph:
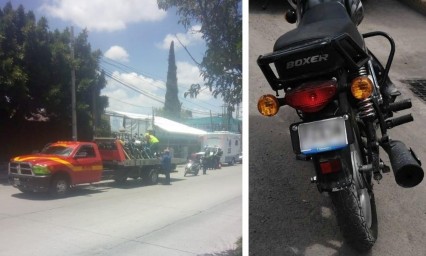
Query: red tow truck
(64, 164)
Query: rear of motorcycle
(332, 85)
(192, 168)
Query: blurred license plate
(321, 136)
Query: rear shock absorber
(366, 109)
(367, 113)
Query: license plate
(322, 136)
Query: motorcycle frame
(346, 106)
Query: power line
(108, 74)
(129, 68)
(131, 104)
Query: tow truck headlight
(40, 170)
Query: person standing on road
(166, 163)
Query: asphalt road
(199, 215)
(287, 215)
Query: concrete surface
(287, 215)
(196, 215)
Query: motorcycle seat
(327, 20)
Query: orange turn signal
(361, 87)
(268, 105)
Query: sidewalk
(418, 5)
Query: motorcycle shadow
(287, 214)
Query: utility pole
(73, 101)
(211, 122)
(237, 114)
(94, 114)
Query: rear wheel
(121, 179)
(356, 208)
(60, 186)
(151, 177)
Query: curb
(417, 5)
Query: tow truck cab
(56, 167)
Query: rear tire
(60, 186)
(355, 227)
(355, 208)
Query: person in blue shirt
(166, 163)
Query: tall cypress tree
(172, 105)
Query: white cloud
(117, 53)
(125, 99)
(188, 74)
(104, 15)
(192, 36)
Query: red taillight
(311, 97)
(330, 166)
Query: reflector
(268, 105)
(330, 166)
(311, 97)
(361, 87)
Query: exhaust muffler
(405, 164)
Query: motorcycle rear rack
(342, 51)
(391, 54)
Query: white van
(229, 142)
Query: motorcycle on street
(192, 168)
(194, 165)
(346, 103)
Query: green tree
(172, 105)
(221, 27)
(35, 82)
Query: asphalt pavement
(196, 215)
(287, 215)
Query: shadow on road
(74, 192)
(287, 214)
(275, 7)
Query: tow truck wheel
(25, 191)
(121, 179)
(150, 177)
(153, 177)
(59, 186)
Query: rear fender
(338, 180)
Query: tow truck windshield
(57, 150)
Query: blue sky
(134, 36)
